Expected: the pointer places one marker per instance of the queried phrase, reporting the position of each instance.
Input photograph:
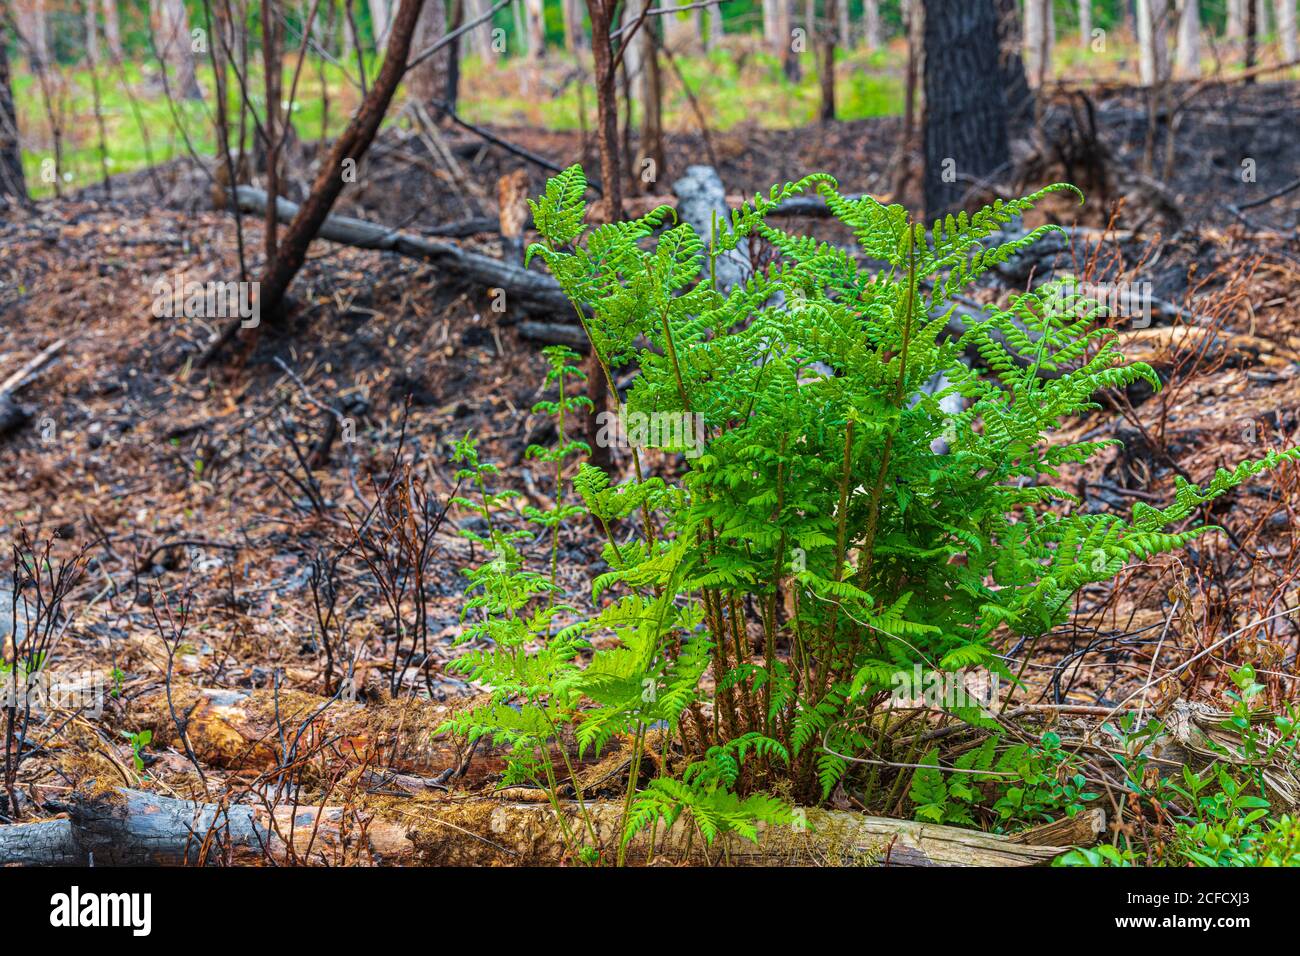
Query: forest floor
(204, 496)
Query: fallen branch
(133, 828)
(530, 290)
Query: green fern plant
(839, 527)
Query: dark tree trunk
(827, 111)
(1011, 66)
(12, 185)
(965, 115)
(601, 13)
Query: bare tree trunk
(771, 21)
(572, 10)
(1038, 40)
(871, 23)
(112, 32)
(29, 18)
(480, 37)
(1286, 29)
(1011, 65)
(843, 25)
(1085, 23)
(649, 89)
(427, 81)
(965, 119)
(91, 21)
(1189, 39)
(714, 36)
(1252, 35)
(1153, 41)
(826, 112)
(380, 22)
(1236, 28)
(601, 13)
(784, 39)
(171, 32)
(535, 18)
(12, 185)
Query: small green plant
(836, 528)
(1022, 784)
(138, 741)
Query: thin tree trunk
(91, 21)
(1189, 39)
(12, 185)
(965, 119)
(572, 11)
(380, 22)
(1252, 36)
(535, 17)
(1236, 28)
(843, 25)
(827, 49)
(1038, 41)
(649, 86)
(1153, 41)
(714, 36)
(427, 81)
(480, 38)
(611, 176)
(112, 32)
(871, 23)
(1286, 29)
(171, 31)
(29, 18)
(783, 39)
(1085, 23)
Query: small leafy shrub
(1022, 785)
(1220, 813)
(838, 526)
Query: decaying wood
(132, 828)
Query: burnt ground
(191, 485)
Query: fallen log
(534, 291)
(133, 828)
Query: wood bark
(112, 30)
(826, 110)
(427, 81)
(134, 828)
(171, 37)
(1085, 23)
(1153, 42)
(29, 18)
(535, 24)
(380, 22)
(13, 187)
(1286, 29)
(1038, 40)
(1011, 65)
(1236, 26)
(1188, 59)
(965, 116)
(649, 87)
